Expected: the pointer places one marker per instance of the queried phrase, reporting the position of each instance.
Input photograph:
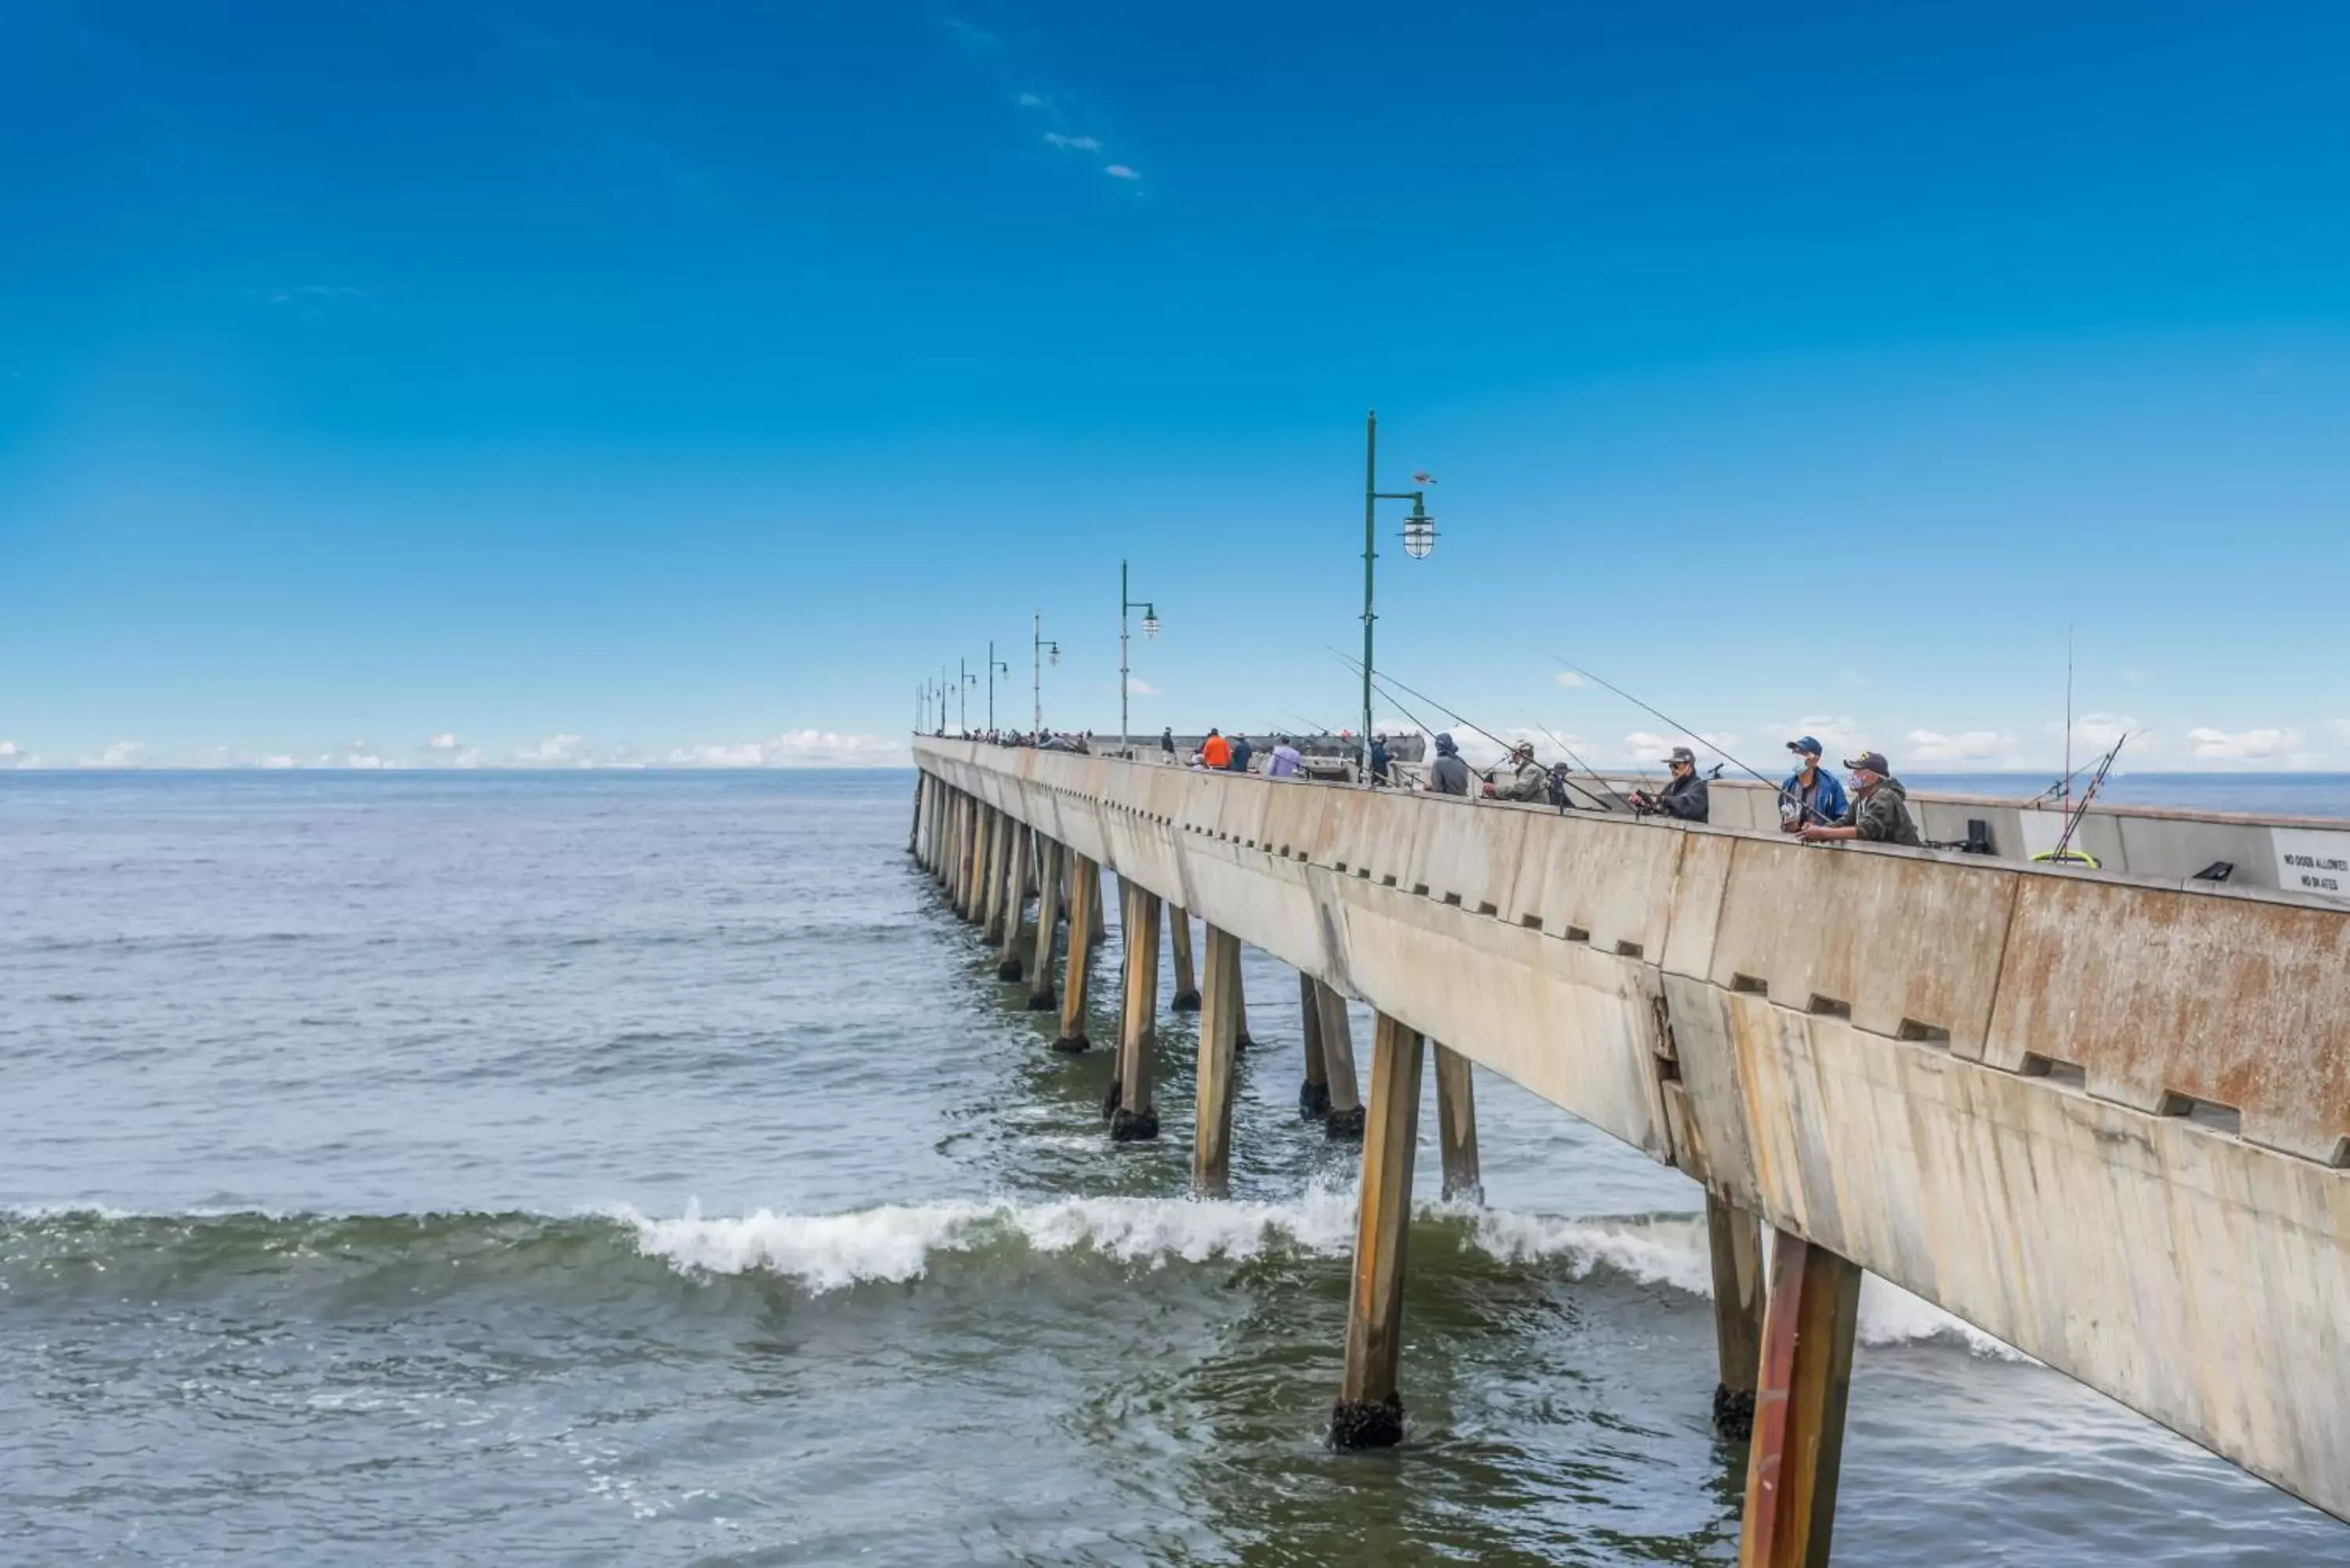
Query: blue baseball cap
(1806, 745)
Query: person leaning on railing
(1448, 774)
(1685, 798)
(1528, 779)
(1879, 812)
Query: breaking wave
(823, 1254)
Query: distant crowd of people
(1814, 805)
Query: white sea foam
(1652, 1251)
(895, 1243)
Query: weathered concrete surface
(1826, 1037)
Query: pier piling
(1049, 875)
(1187, 990)
(1345, 1118)
(1370, 1412)
(1799, 1406)
(966, 854)
(1131, 1118)
(1456, 1127)
(1211, 1141)
(997, 880)
(1313, 1094)
(1014, 901)
(1084, 894)
(1734, 1237)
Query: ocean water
(646, 1168)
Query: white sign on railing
(2313, 860)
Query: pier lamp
(1039, 651)
(1418, 543)
(994, 664)
(963, 693)
(1126, 601)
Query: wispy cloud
(1012, 67)
(1571, 680)
(1977, 746)
(2243, 745)
(554, 751)
(795, 748)
(313, 298)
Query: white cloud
(555, 751)
(280, 760)
(8, 752)
(1075, 143)
(2098, 732)
(121, 755)
(1570, 679)
(443, 742)
(2243, 745)
(1140, 688)
(2339, 728)
(795, 748)
(1029, 101)
(1120, 171)
(1970, 747)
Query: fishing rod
(1461, 719)
(1680, 728)
(1383, 682)
(2088, 793)
(1568, 779)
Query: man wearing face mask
(1685, 798)
(1879, 812)
(1811, 796)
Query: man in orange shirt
(1215, 751)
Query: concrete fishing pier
(2103, 1116)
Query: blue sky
(580, 382)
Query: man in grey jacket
(1448, 774)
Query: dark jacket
(1379, 763)
(1686, 797)
(1241, 753)
(1883, 815)
(1448, 774)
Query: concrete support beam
(1735, 1240)
(974, 858)
(1085, 897)
(1131, 1117)
(1097, 927)
(1014, 898)
(970, 865)
(1220, 1017)
(993, 890)
(1345, 1119)
(1370, 1412)
(1050, 874)
(1799, 1406)
(1313, 1094)
(1187, 986)
(932, 790)
(1456, 1129)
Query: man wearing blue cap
(1811, 797)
